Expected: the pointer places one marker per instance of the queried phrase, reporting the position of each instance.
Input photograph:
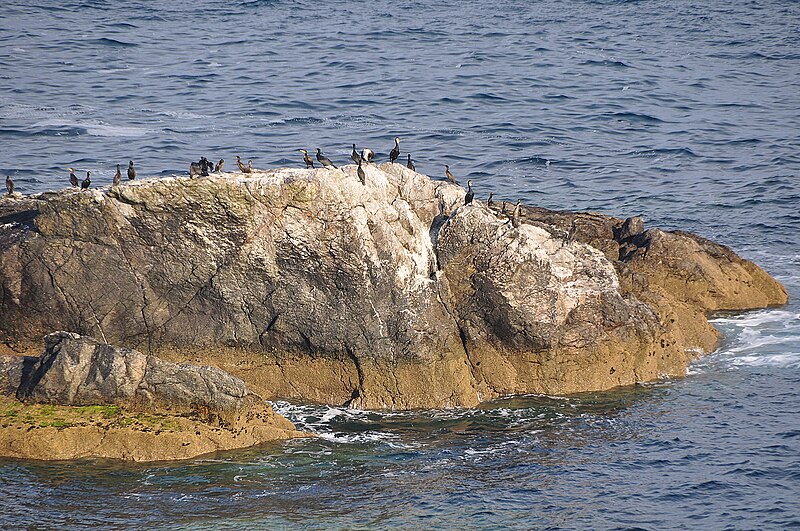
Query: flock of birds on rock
(204, 168)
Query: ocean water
(685, 112)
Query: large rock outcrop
(308, 284)
(104, 401)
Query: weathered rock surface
(79, 371)
(188, 410)
(308, 284)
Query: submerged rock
(308, 284)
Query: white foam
(789, 360)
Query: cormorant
(355, 156)
(249, 167)
(450, 176)
(503, 211)
(470, 194)
(86, 182)
(410, 164)
(218, 168)
(515, 214)
(573, 229)
(9, 185)
(117, 177)
(367, 155)
(324, 160)
(204, 164)
(73, 180)
(362, 176)
(131, 171)
(194, 169)
(489, 201)
(242, 167)
(306, 158)
(395, 152)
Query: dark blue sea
(685, 112)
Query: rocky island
(309, 285)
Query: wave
(106, 41)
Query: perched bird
(395, 152)
(73, 180)
(355, 156)
(131, 171)
(87, 181)
(515, 214)
(306, 158)
(362, 176)
(240, 164)
(219, 165)
(205, 166)
(570, 236)
(325, 161)
(117, 177)
(249, 167)
(410, 164)
(470, 194)
(9, 185)
(489, 201)
(503, 210)
(194, 169)
(367, 155)
(450, 176)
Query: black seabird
(395, 152)
(489, 201)
(325, 161)
(355, 156)
(204, 165)
(410, 164)
(367, 155)
(194, 169)
(131, 171)
(362, 176)
(240, 164)
(9, 185)
(249, 167)
(219, 165)
(450, 176)
(73, 180)
(117, 177)
(515, 214)
(503, 210)
(86, 182)
(306, 158)
(573, 229)
(470, 194)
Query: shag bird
(73, 180)
(450, 176)
(240, 164)
(573, 229)
(194, 169)
(395, 152)
(9, 185)
(367, 155)
(355, 156)
(470, 194)
(362, 176)
(515, 214)
(131, 171)
(249, 167)
(306, 158)
(410, 164)
(218, 167)
(489, 201)
(117, 177)
(325, 161)
(503, 211)
(87, 181)
(205, 166)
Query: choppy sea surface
(685, 112)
